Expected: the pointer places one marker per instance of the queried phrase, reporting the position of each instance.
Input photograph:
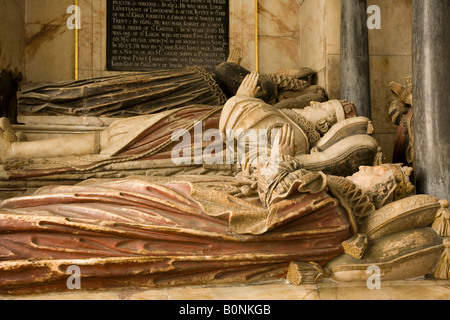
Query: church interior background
(36, 45)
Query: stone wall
(51, 45)
(12, 34)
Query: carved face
(318, 111)
(378, 182)
(369, 177)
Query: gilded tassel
(379, 158)
(442, 269)
(370, 128)
(442, 223)
(356, 246)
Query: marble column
(431, 70)
(355, 76)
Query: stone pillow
(344, 157)
(401, 256)
(343, 129)
(413, 212)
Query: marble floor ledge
(390, 290)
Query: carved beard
(382, 193)
(325, 124)
(378, 187)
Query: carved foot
(7, 136)
(5, 146)
(8, 132)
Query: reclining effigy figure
(145, 144)
(275, 219)
(402, 115)
(169, 100)
(143, 93)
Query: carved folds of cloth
(122, 96)
(165, 232)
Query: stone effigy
(168, 100)
(144, 144)
(126, 95)
(274, 219)
(402, 115)
(143, 93)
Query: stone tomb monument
(308, 199)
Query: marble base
(392, 290)
(47, 127)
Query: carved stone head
(384, 183)
(317, 112)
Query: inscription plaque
(169, 34)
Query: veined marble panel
(279, 30)
(49, 44)
(49, 53)
(312, 34)
(12, 31)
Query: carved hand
(286, 141)
(249, 87)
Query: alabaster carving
(144, 144)
(190, 230)
(304, 273)
(402, 115)
(118, 96)
(171, 231)
(143, 93)
(168, 232)
(404, 255)
(412, 212)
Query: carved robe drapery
(126, 95)
(149, 140)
